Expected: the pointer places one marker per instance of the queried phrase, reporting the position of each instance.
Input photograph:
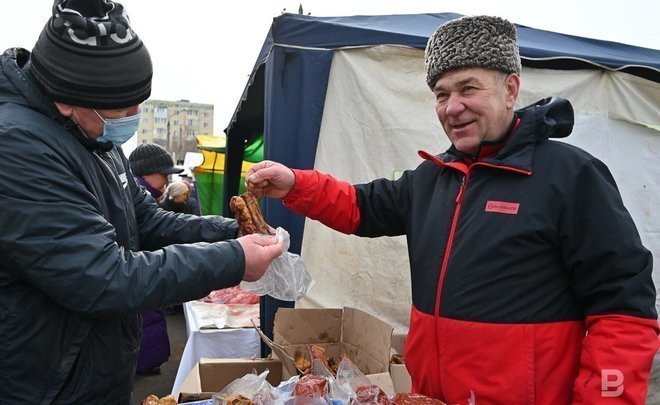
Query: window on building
(160, 111)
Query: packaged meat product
(311, 386)
(415, 399)
(370, 395)
(231, 295)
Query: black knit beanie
(150, 158)
(87, 55)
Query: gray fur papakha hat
(472, 42)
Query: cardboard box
(363, 338)
(399, 373)
(399, 341)
(401, 381)
(212, 375)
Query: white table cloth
(212, 343)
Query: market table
(213, 333)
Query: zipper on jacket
(454, 222)
(450, 241)
(461, 190)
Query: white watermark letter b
(611, 382)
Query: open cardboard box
(212, 375)
(399, 373)
(363, 338)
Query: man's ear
(64, 109)
(512, 83)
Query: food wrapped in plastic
(311, 386)
(231, 295)
(370, 395)
(415, 399)
(242, 390)
(287, 277)
(154, 400)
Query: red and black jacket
(514, 258)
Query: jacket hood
(553, 117)
(17, 87)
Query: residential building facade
(174, 125)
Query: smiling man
(530, 283)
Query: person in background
(193, 201)
(85, 249)
(176, 198)
(530, 283)
(152, 165)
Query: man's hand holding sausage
(269, 179)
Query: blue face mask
(119, 130)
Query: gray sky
(222, 38)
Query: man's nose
(454, 105)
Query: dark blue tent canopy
(285, 94)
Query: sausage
(248, 214)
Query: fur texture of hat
(472, 42)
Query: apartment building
(174, 124)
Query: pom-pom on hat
(472, 42)
(150, 158)
(87, 55)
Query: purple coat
(155, 344)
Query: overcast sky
(222, 38)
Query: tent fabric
(298, 92)
(414, 30)
(346, 95)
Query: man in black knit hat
(85, 248)
(152, 165)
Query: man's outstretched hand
(270, 179)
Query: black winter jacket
(84, 251)
(530, 283)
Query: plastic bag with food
(286, 278)
(242, 391)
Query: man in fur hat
(530, 283)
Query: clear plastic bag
(286, 278)
(246, 387)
